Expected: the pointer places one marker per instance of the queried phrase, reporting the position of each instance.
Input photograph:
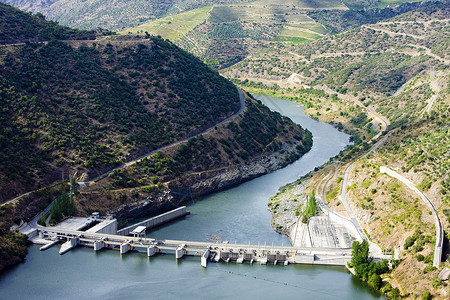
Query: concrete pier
(98, 245)
(204, 258)
(125, 247)
(69, 245)
(179, 252)
(49, 245)
(151, 250)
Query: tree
(375, 281)
(42, 220)
(360, 254)
(395, 294)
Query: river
(237, 214)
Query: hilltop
(34, 28)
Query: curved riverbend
(237, 214)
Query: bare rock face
(445, 274)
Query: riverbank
(176, 192)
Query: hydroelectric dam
(105, 235)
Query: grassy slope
(172, 27)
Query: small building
(139, 231)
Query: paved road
(373, 247)
(429, 203)
(436, 88)
(13, 201)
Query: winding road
(373, 247)
(435, 87)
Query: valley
(372, 69)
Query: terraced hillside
(342, 20)
(112, 14)
(224, 35)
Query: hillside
(112, 14)
(340, 20)
(79, 108)
(34, 28)
(346, 61)
(90, 108)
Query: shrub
(428, 269)
(426, 296)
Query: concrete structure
(204, 258)
(69, 245)
(151, 250)
(219, 251)
(125, 247)
(180, 251)
(139, 231)
(49, 245)
(156, 221)
(100, 244)
(108, 226)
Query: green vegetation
(343, 20)
(423, 153)
(94, 106)
(110, 14)
(365, 268)
(62, 207)
(310, 209)
(27, 27)
(254, 135)
(228, 34)
(13, 245)
(172, 27)
(42, 220)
